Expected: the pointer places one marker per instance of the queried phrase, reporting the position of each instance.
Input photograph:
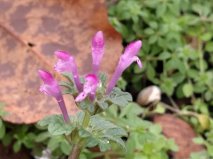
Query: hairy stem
(76, 150)
(77, 147)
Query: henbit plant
(92, 96)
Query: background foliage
(177, 55)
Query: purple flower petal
(66, 63)
(90, 86)
(81, 97)
(46, 76)
(97, 50)
(51, 88)
(125, 61)
(133, 48)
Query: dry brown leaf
(181, 132)
(30, 31)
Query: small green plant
(145, 139)
(92, 96)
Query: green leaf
(164, 55)
(46, 120)
(199, 155)
(103, 104)
(188, 89)
(206, 36)
(115, 132)
(116, 140)
(209, 46)
(100, 123)
(56, 125)
(70, 88)
(175, 63)
(2, 129)
(119, 98)
(84, 133)
(171, 144)
(149, 31)
(103, 78)
(59, 128)
(153, 39)
(65, 147)
(104, 145)
(103, 131)
(122, 83)
(53, 143)
(150, 71)
(167, 85)
(69, 77)
(87, 105)
(17, 146)
(7, 139)
(131, 110)
(42, 136)
(199, 140)
(155, 129)
(159, 109)
(161, 9)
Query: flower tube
(66, 63)
(97, 51)
(51, 88)
(90, 86)
(125, 61)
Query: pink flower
(97, 51)
(66, 63)
(51, 88)
(90, 86)
(125, 61)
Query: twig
(173, 102)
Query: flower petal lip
(51, 88)
(91, 83)
(63, 55)
(81, 97)
(45, 76)
(133, 48)
(66, 63)
(125, 61)
(90, 86)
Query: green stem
(77, 147)
(200, 44)
(76, 150)
(86, 119)
(179, 112)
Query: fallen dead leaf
(30, 32)
(181, 132)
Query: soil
(8, 153)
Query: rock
(149, 95)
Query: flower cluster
(66, 64)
